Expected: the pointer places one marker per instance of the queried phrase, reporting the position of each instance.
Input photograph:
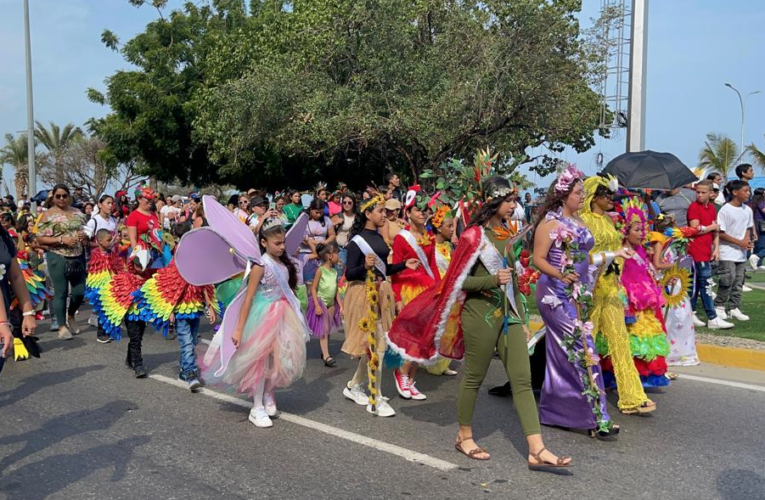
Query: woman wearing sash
(414, 242)
(474, 311)
(369, 304)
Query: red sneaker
(402, 384)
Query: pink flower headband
(570, 175)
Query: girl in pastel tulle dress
(324, 306)
(269, 336)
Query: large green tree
(347, 89)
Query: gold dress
(607, 313)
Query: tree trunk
(20, 181)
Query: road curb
(730, 356)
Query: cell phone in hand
(272, 206)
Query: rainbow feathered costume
(102, 266)
(34, 279)
(167, 293)
(117, 301)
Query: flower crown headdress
(570, 175)
(633, 213)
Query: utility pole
(32, 187)
(637, 88)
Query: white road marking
(717, 381)
(411, 456)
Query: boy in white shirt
(736, 221)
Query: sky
(694, 48)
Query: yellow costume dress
(607, 313)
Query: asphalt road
(77, 425)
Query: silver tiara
(270, 223)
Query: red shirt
(700, 247)
(143, 223)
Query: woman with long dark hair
(294, 207)
(476, 311)
(61, 231)
(343, 223)
(319, 230)
(573, 395)
(369, 305)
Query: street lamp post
(32, 186)
(742, 101)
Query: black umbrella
(650, 170)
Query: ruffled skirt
(324, 324)
(272, 349)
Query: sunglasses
(61, 196)
(244, 203)
(348, 202)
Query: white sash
(441, 261)
(287, 292)
(409, 237)
(367, 250)
(493, 261)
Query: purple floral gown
(569, 399)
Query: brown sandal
(472, 453)
(646, 407)
(544, 465)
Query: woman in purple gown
(573, 395)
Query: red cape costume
(431, 324)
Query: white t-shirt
(734, 221)
(166, 211)
(97, 223)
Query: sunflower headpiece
(371, 202)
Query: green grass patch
(753, 305)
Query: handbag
(75, 267)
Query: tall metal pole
(637, 89)
(32, 188)
(742, 102)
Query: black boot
(140, 372)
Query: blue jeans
(759, 247)
(703, 275)
(187, 331)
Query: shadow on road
(33, 383)
(38, 480)
(62, 427)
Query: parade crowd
(423, 286)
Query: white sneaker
(761, 268)
(270, 402)
(260, 418)
(719, 324)
(697, 321)
(754, 261)
(356, 394)
(745, 289)
(721, 313)
(737, 314)
(416, 395)
(383, 408)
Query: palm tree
(718, 154)
(758, 156)
(15, 153)
(55, 140)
